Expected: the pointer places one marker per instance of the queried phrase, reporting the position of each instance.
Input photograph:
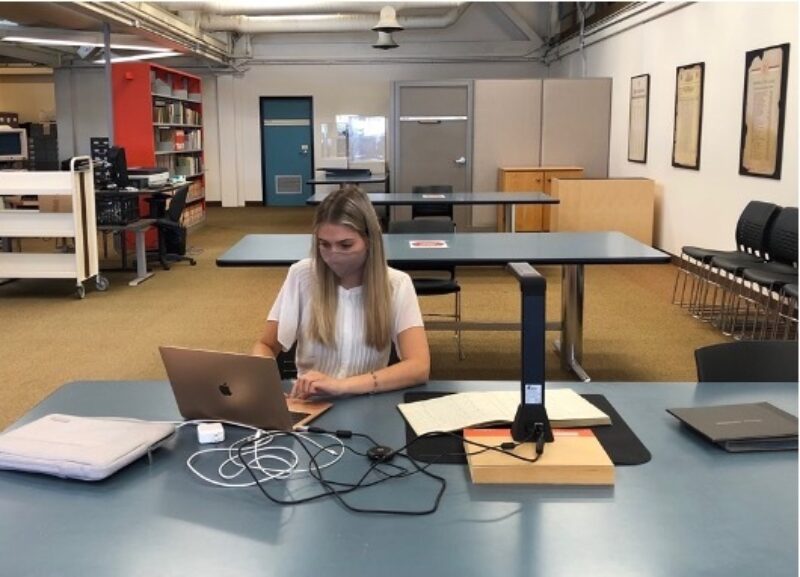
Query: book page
(565, 408)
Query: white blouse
(351, 355)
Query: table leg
(123, 244)
(141, 259)
(571, 345)
(510, 218)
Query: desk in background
(571, 250)
(139, 228)
(358, 178)
(505, 199)
(692, 510)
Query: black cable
(338, 489)
(329, 491)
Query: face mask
(345, 264)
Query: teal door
(287, 152)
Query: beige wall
(697, 207)
(507, 132)
(30, 96)
(336, 89)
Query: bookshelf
(158, 119)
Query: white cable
(267, 461)
(284, 462)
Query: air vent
(288, 184)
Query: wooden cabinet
(158, 119)
(622, 204)
(531, 218)
(70, 197)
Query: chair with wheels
(424, 210)
(424, 283)
(747, 361)
(171, 231)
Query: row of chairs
(750, 292)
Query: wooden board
(590, 205)
(575, 457)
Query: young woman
(345, 307)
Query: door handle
(461, 160)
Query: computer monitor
(118, 169)
(13, 144)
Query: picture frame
(638, 115)
(688, 122)
(764, 111)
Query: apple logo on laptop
(225, 389)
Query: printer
(143, 177)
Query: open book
(565, 408)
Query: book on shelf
(180, 140)
(193, 139)
(195, 191)
(160, 112)
(165, 140)
(192, 116)
(565, 408)
(187, 165)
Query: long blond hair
(350, 207)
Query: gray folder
(744, 427)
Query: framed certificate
(764, 111)
(637, 119)
(686, 135)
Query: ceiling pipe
(275, 7)
(323, 22)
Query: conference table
(693, 509)
(571, 250)
(506, 199)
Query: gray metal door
(433, 140)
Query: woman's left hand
(314, 383)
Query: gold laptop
(245, 389)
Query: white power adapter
(210, 433)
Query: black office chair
(171, 233)
(424, 283)
(445, 210)
(748, 362)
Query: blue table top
(692, 510)
(408, 198)
(463, 249)
(351, 179)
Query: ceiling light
(55, 42)
(388, 21)
(146, 56)
(385, 41)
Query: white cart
(78, 224)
